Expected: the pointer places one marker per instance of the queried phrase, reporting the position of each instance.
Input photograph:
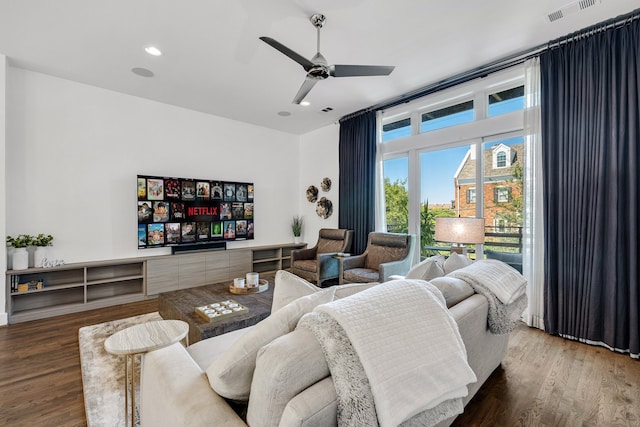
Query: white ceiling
(213, 61)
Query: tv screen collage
(178, 211)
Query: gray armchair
(317, 264)
(386, 254)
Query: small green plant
(22, 241)
(42, 240)
(296, 226)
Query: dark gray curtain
(591, 130)
(357, 162)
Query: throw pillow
(456, 261)
(453, 289)
(427, 269)
(289, 287)
(231, 374)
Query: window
(452, 170)
(506, 101)
(397, 129)
(396, 194)
(501, 194)
(471, 195)
(445, 117)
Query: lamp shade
(460, 230)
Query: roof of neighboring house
(467, 170)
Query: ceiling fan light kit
(318, 68)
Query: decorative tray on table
(219, 310)
(263, 285)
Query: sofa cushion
(456, 261)
(453, 289)
(289, 287)
(206, 351)
(284, 367)
(230, 375)
(343, 291)
(427, 269)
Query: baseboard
(4, 319)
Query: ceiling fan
(318, 69)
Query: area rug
(103, 373)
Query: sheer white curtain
(533, 232)
(381, 217)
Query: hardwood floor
(550, 381)
(544, 380)
(40, 380)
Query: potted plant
(41, 242)
(20, 256)
(296, 228)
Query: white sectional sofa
(273, 374)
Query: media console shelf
(269, 259)
(74, 287)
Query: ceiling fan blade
(308, 83)
(360, 70)
(306, 64)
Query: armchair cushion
(361, 275)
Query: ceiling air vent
(571, 8)
(327, 109)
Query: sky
(439, 167)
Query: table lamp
(458, 231)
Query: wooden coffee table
(181, 304)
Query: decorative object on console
(41, 242)
(459, 231)
(20, 256)
(296, 227)
(312, 193)
(324, 209)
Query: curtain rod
(499, 65)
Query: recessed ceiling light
(305, 103)
(143, 72)
(284, 113)
(152, 50)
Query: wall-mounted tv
(186, 211)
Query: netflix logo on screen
(175, 211)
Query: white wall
(3, 251)
(318, 159)
(73, 152)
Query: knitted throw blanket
(498, 282)
(395, 355)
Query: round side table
(139, 339)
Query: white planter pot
(20, 259)
(39, 254)
(297, 239)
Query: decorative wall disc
(324, 208)
(312, 193)
(326, 184)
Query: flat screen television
(186, 211)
